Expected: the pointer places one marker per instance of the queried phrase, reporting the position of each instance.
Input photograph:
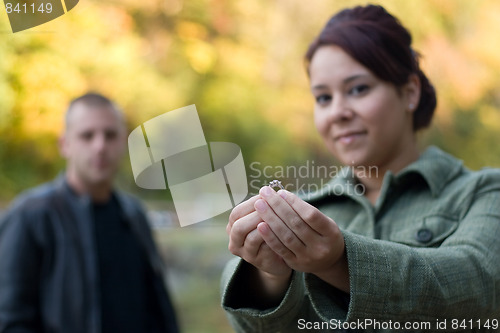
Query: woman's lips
(349, 137)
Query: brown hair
(378, 41)
(93, 100)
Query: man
(76, 255)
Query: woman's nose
(340, 110)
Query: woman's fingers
(241, 210)
(253, 243)
(246, 242)
(280, 237)
(316, 220)
(276, 231)
(283, 219)
(275, 244)
(305, 238)
(241, 228)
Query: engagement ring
(276, 183)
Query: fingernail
(262, 227)
(282, 194)
(266, 191)
(260, 205)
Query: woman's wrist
(269, 288)
(337, 274)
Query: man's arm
(20, 258)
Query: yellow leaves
(481, 41)
(50, 81)
(191, 30)
(460, 80)
(241, 60)
(116, 19)
(145, 5)
(201, 55)
(490, 117)
(173, 7)
(141, 53)
(465, 68)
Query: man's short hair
(93, 100)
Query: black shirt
(127, 300)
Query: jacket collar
(436, 167)
(84, 200)
(61, 183)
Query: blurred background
(241, 63)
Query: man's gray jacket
(48, 266)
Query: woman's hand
(246, 242)
(306, 239)
(269, 275)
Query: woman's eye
(323, 99)
(359, 89)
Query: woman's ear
(412, 92)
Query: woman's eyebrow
(344, 81)
(353, 77)
(320, 87)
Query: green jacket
(427, 254)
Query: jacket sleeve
(19, 275)
(460, 279)
(394, 282)
(289, 316)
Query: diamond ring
(276, 183)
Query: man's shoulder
(35, 198)
(29, 206)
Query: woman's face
(363, 120)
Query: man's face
(93, 144)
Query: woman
(416, 250)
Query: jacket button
(424, 235)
